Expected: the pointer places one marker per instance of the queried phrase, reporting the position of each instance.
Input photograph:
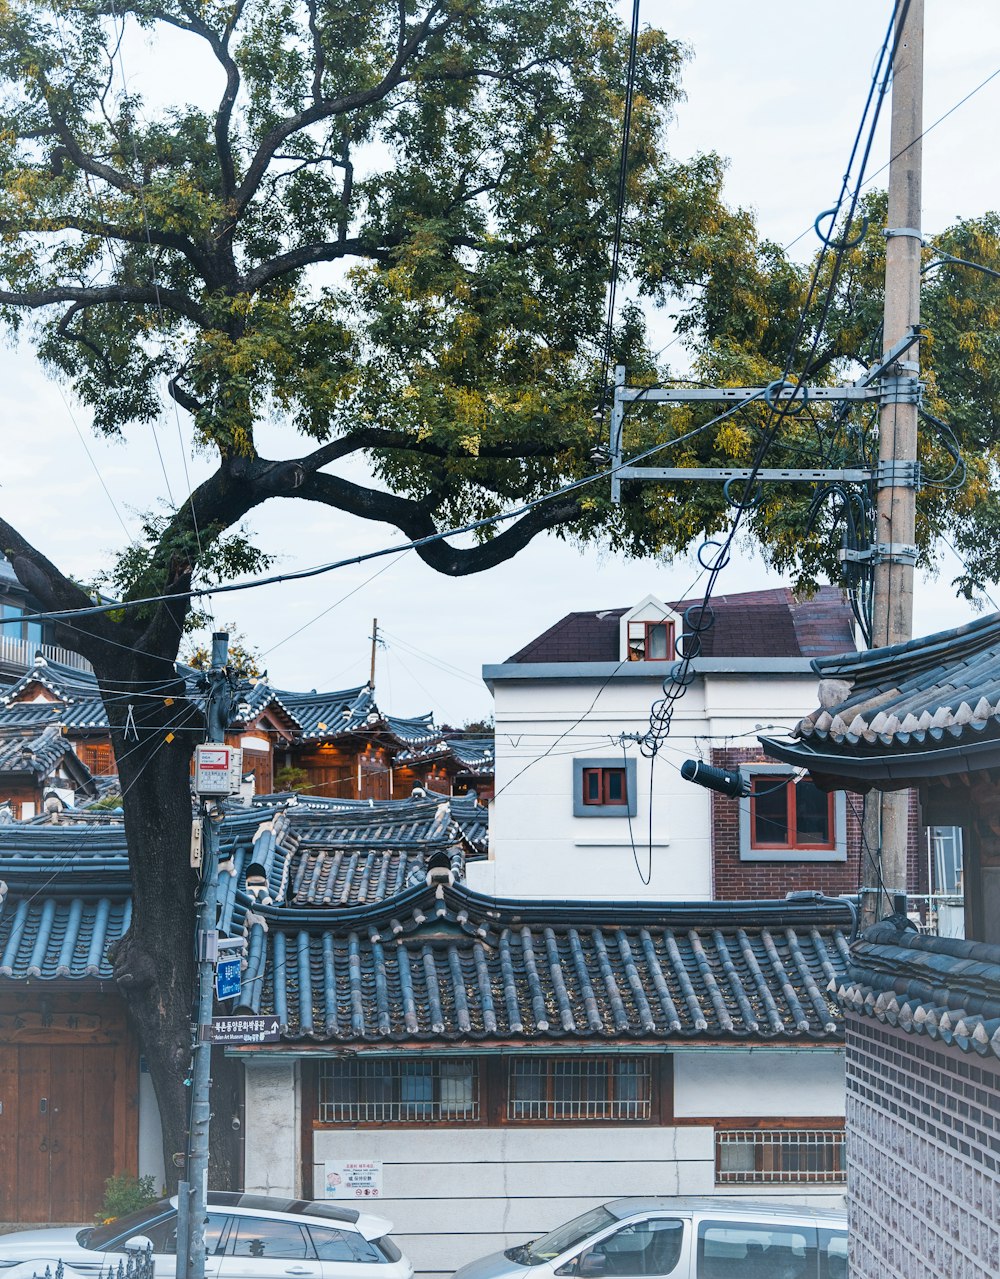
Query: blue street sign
(227, 979)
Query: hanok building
(922, 1012)
(338, 744)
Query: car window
(259, 1237)
(163, 1235)
(833, 1254)
(101, 1238)
(650, 1247)
(750, 1250)
(564, 1237)
(342, 1245)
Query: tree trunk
(154, 730)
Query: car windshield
(102, 1237)
(563, 1238)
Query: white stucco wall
(273, 1127)
(759, 1082)
(540, 849)
(150, 1132)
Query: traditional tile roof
(59, 937)
(893, 715)
(39, 753)
(442, 964)
(321, 715)
(475, 754)
(941, 987)
(772, 623)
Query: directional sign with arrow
(245, 1030)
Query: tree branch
(329, 107)
(413, 519)
(56, 593)
(306, 255)
(371, 437)
(144, 295)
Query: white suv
(247, 1237)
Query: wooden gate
(68, 1105)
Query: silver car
(247, 1237)
(681, 1238)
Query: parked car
(247, 1237)
(683, 1239)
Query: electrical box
(218, 770)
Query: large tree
(385, 225)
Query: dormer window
(650, 641)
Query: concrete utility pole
(887, 814)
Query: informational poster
(352, 1178)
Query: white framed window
(788, 818)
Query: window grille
(756, 1156)
(579, 1088)
(391, 1091)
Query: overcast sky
(777, 88)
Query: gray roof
(39, 752)
(892, 716)
(306, 717)
(443, 964)
(940, 987)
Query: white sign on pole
(352, 1178)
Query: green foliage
(392, 239)
(398, 223)
(244, 659)
(124, 1193)
(291, 778)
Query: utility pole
(886, 818)
(217, 767)
(374, 640)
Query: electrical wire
(320, 569)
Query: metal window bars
(758, 1156)
(579, 1088)
(390, 1090)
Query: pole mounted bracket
(899, 473)
(911, 232)
(901, 390)
(896, 552)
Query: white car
(683, 1239)
(247, 1237)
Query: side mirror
(138, 1243)
(592, 1265)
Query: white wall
(272, 1123)
(539, 849)
(150, 1133)
(759, 1082)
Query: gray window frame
(628, 809)
(750, 854)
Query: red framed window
(607, 787)
(789, 814)
(650, 641)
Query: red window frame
(604, 787)
(766, 781)
(640, 631)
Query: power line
(318, 570)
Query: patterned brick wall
(923, 1152)
(735, 879)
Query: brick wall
(923, 1152)
(735, 879)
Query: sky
(777, 88)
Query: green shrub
(123, 1194)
